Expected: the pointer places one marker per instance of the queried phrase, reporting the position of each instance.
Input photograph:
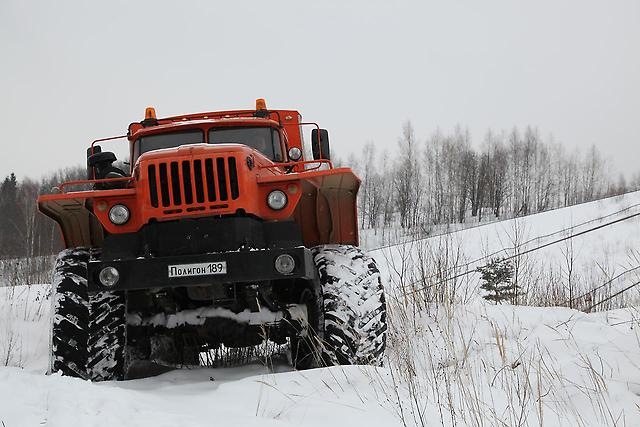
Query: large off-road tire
(348, 313)
(107, 337)
(70, 314)
(88, 332)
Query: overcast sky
(72, 71)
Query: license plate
(200, 269)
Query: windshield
(264, 139)
(166, 140)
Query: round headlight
(285, 264)
(295, 153)
(277, 200)
(119, 214)
(109, 276)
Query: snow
(24, 326)
(549, 366)
(460, 362)
(247, 396)
(595, 257)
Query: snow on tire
(88, 332)
(355, 328)
(70, 315)
(107, 336)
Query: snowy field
(577, 264)
(452, 358)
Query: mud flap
(78, 225)
(331, 200)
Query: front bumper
(241, 266)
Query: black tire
(88, 333)
(306, 346)
(70, 314)
(107, 337)
(349, 320)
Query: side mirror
(92, 150)
(320, 144)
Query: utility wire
(610, 297)
(608, 282)
(467, 272)
(518, 246)
(485, 257)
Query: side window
(277, 146)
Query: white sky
(72, 71)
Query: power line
(467, 272)
(608, 282)
(610, 297)
(486, 257)
(518, 246)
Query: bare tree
(407, 178)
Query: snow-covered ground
(376, 238)
(246, 396)
(249, 395)
(481, 364)
(460, 362)
(585, 261)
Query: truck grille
(193, 182)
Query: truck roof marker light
(149, 117)
(150, 113)
(261, 109)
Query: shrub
(497, 278)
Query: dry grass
(452, 362)
(21, 309)
(26, 271)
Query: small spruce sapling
(496, 277)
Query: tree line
(440, 180)
(24, 232)
(446, 179)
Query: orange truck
(230, 230)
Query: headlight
(109, 276)
(277, 200)
(119, 214)
(295, 153)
